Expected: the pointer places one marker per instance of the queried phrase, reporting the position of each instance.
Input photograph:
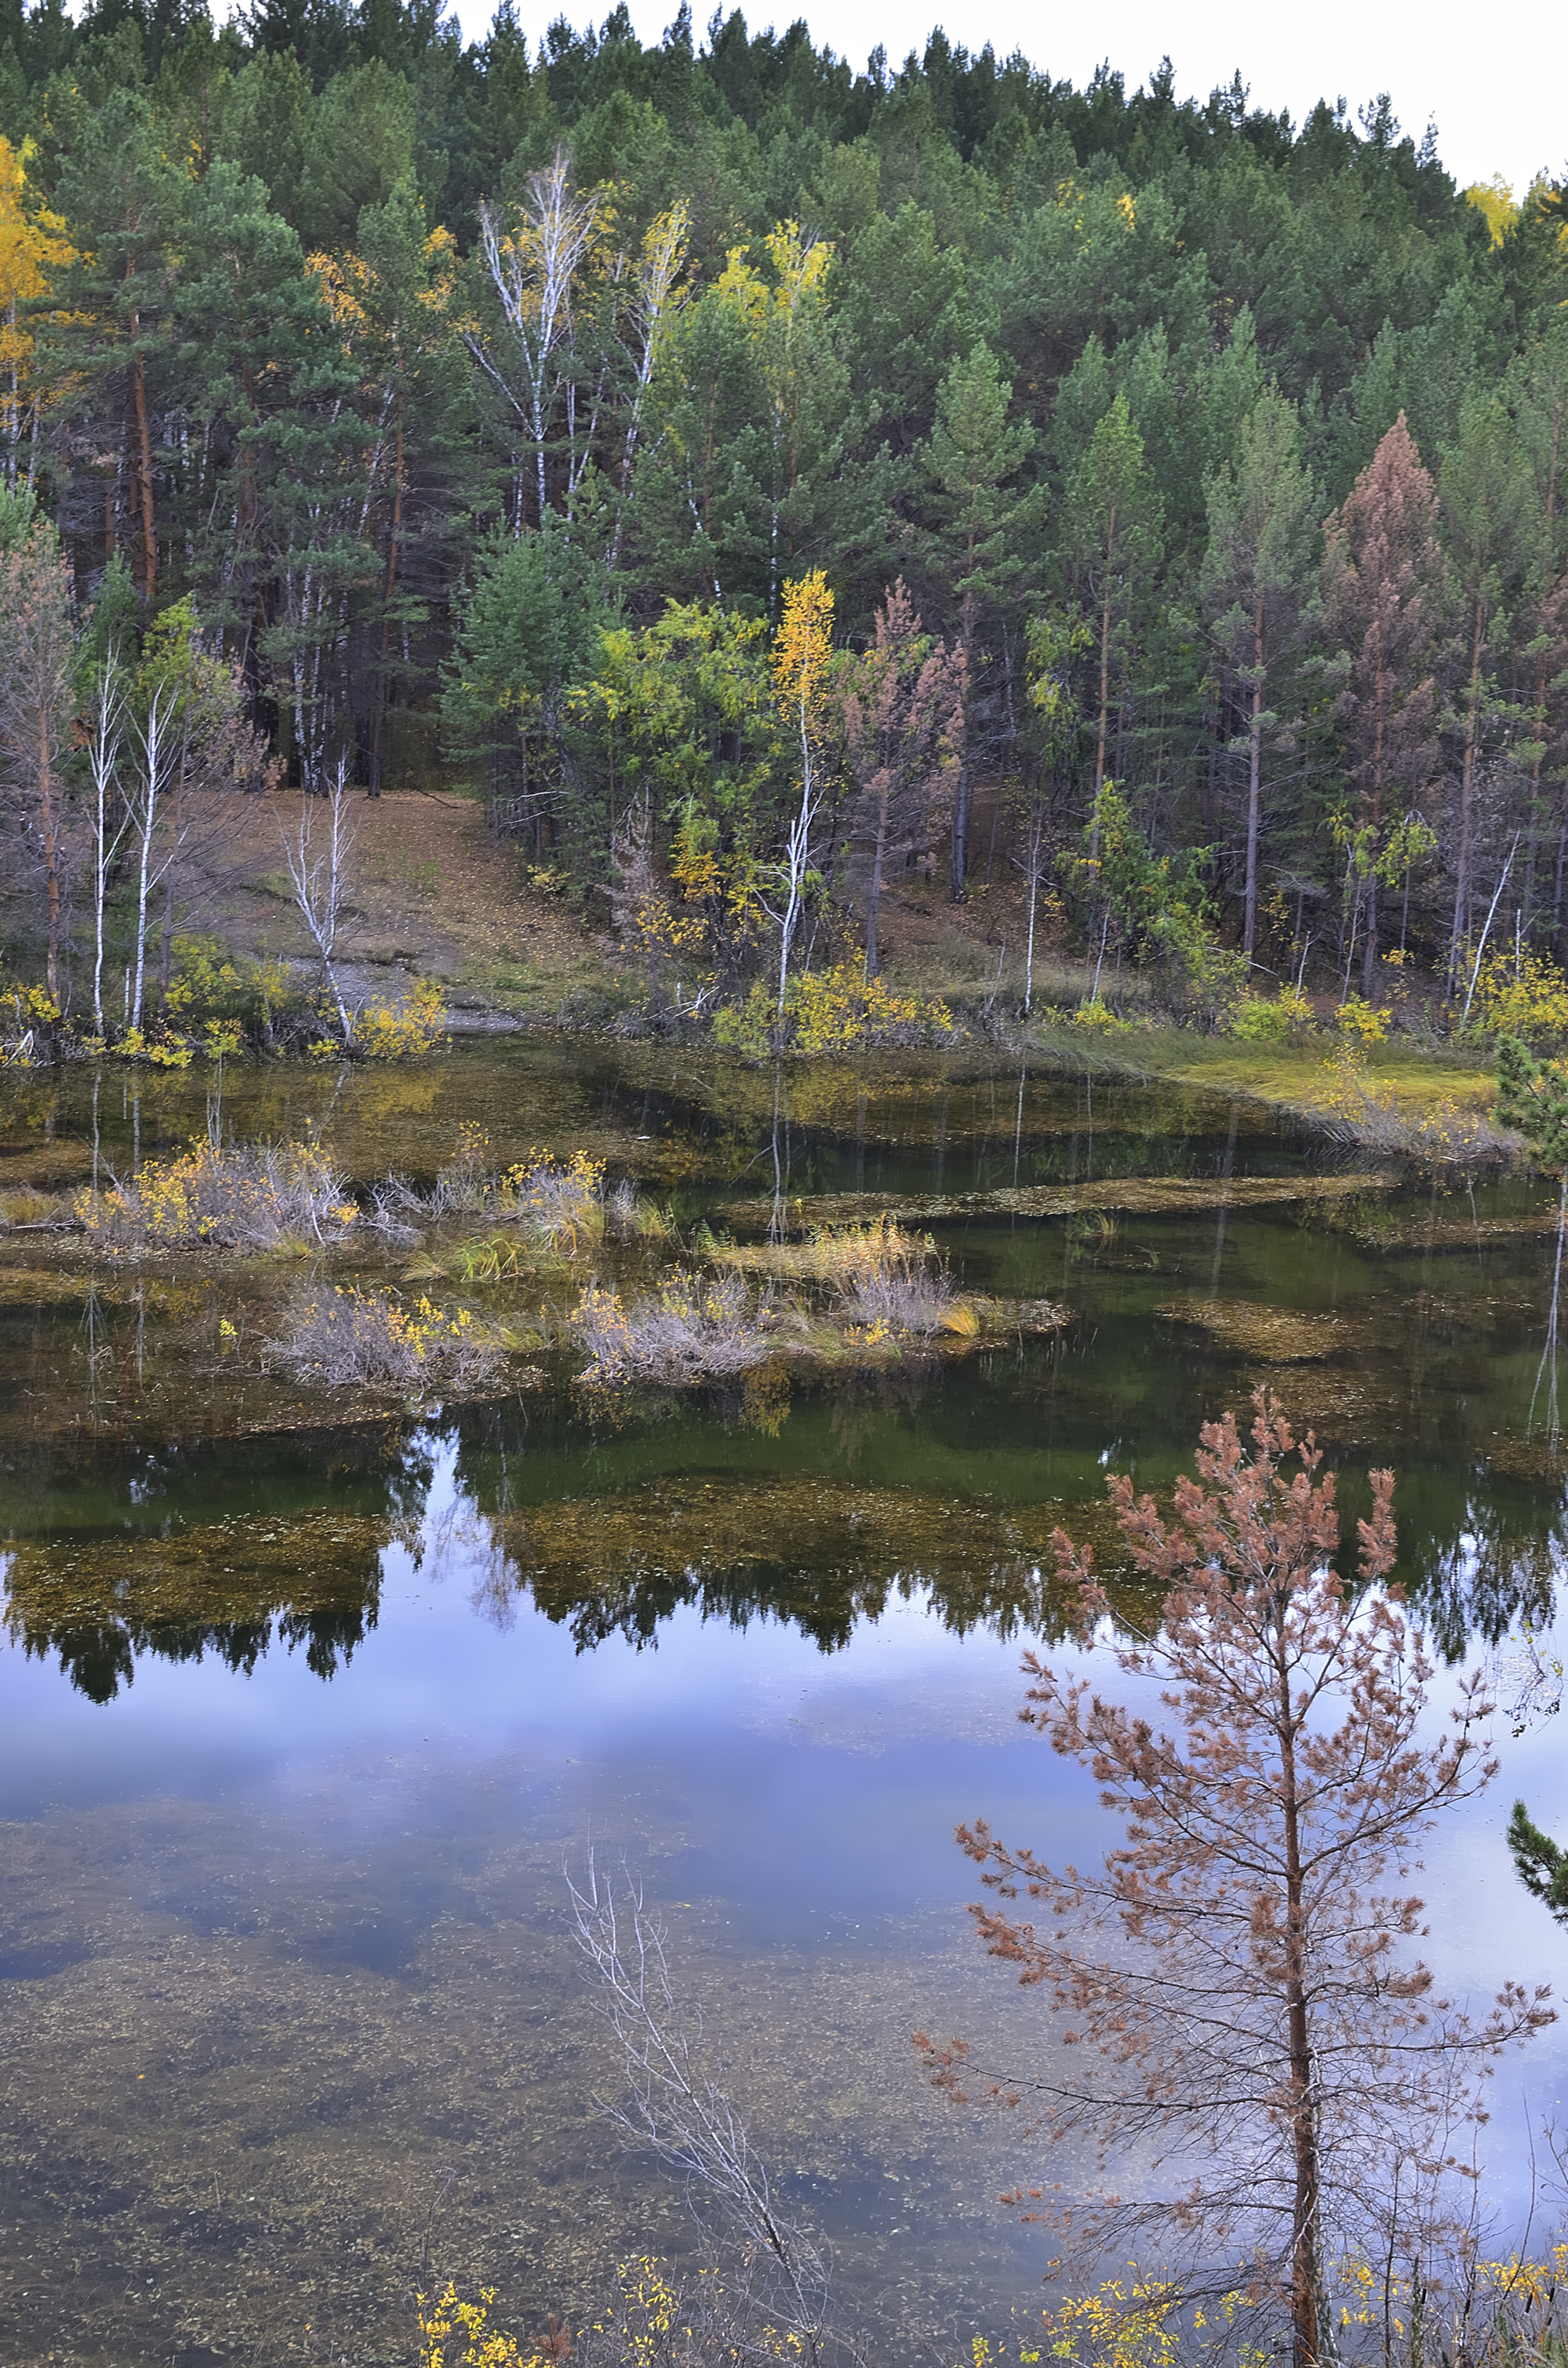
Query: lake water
(302, 1717)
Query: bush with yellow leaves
(1517, 993)
(28, 1017)
(691, 1327)
(401, 1030)
(1359, 1023)
(341, 1336)
(447, 2321)
(836, 1010)
(1270, 1019)
(1129, 2323)
(247, 1196)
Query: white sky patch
(1493, 88)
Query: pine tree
(1385, 596)
(900, 710)
(37, 670)
(984, 524)
(1234, 1975)
(1485, 511)
(1259, 594)
(1114, 521)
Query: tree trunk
(380, 693)
(1305, 2267)
(959, 874)
(874, 897)
(960, 869)
(1467, 792)
(1369, 952)
(1105, 674)
(49, 829)
(1254, 782)
(145, 461)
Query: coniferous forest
(754, 477)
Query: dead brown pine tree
(900, 711)
(1230, 1985)
(1386, 587)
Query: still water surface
(302, 1717)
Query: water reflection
(165, 1584)
(818, 1555)
(281, 1952)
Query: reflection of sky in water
(811, 1796)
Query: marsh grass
(503, 1256)
(560, 1204)
(250, 1196)
(849, 1297)
(877, 1275)
(26, 1205)
(1129, 1195)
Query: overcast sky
(1493, 84)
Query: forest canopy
(1190, 479)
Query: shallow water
(302, 1715)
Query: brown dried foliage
(1231, 1985)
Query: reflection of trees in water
(817, 1554)
(1499, 1571)
(230, 1589)
(99, 1658)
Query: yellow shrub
(1134, 2325)
(447, 2321)
(31, 1006)
(1522, 995)
(396, 1031)
(835, 1010)
(1096, 1014)
(1263, 1019)
(1359, 1023)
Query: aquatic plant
(886, 1276)
(256, 1196)
(561, 1206)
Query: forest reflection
(821, 1554)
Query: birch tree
(802, 653)
(537, 261)
(317, 849)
